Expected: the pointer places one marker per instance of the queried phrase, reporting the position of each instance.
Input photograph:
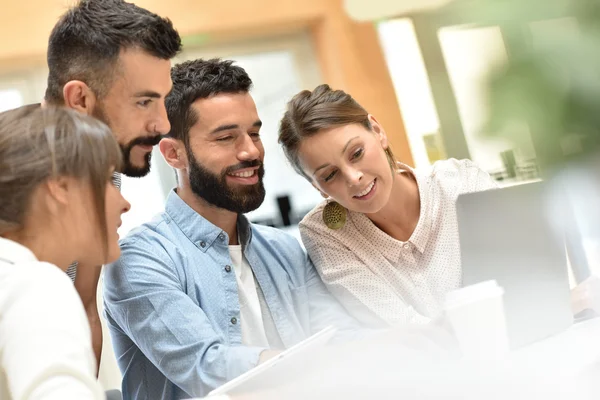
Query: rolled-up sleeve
(145, 298)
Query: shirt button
(222, 237)
(227, 268)
(234, 320)
(202, 244)
(406, 246)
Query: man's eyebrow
(230, 127)
(225, 128)
(148, 93)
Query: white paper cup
(476, 314)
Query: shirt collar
(198, 229)
(13, 252)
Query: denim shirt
(172, 305)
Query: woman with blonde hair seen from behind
(57, 204)
(385, 241)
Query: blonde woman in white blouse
(57, 204)
(385, 241)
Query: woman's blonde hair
(37, 144)
(323, 108)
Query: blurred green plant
(552, 87)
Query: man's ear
(173, 152)
(79, 97)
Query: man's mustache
(145, 141)
(242, 165)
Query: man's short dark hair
(200, 79)
(85, 43)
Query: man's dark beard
(215, 190)
(128, 168)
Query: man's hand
(267, 355)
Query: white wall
(469, 54)
(411, 84)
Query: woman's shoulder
(37, 282)
(42, 292)
(452, 171)
(452, 166)
(456, 176)
(35, 272)
(312, 224)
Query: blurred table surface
(572, 351)
(378, 369)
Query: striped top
(72, 270)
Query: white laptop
(282, 366)
(506, 234)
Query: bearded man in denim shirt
(200, 295)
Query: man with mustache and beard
(200, 295)
(111, 59)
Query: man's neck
(224, 219)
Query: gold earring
(334, 215)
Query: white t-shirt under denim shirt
(383, 281)
(45, 341)
(253, 329)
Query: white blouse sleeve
(473, 178)
(45, 339)
(364, 294)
